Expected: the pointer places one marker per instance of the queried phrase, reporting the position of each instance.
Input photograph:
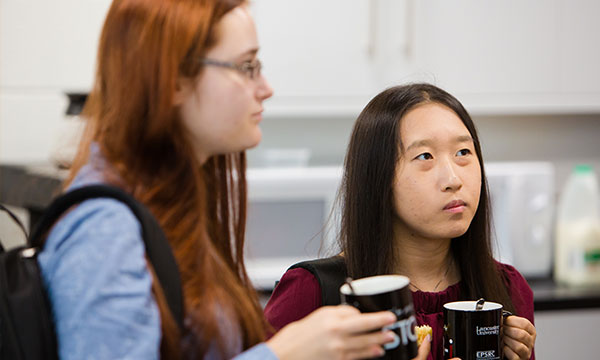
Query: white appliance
(523, 202)
(289, 209)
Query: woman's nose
(449, 179)
(264, 89)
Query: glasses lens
(257, 69)
(252, 69)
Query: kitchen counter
(32, 187)
(29, 186)
(550, 296)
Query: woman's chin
(255, 141)
(249, 143)
(450, 233)
(457, 233)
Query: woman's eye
(424, 156)
(463, 152)
(251, 68)
(247, 66)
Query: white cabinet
(500, 56)
(487, 52)
(47, 48)
(49, 44)
(512, 56)
(30, 125)
(489, 46)
(567, 334)
(317, 53)
(579, 53)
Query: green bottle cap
(583, 169)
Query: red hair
(145, 46)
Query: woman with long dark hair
(177, 99)
(415, 202)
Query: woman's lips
(258, 115)
(455, 206)
(257, 118)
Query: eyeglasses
(250, 69)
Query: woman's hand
(425, 348)
(519, 337)
(334, 332)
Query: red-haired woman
(177, 99)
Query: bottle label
(592, 257)
(585, 259)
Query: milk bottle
(577, 256)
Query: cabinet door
(579, 52)
(30, 125)
(318, 55)
(494, 55)
(577, 328)
(49, 44)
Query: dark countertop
(32, 187)
(550, 296)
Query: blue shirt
(100, 290)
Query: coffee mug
(387, 292)
(472, 330)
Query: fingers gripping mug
(472, 330)
(387, 292)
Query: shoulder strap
(157, 247)
(331, 274)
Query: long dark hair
(366, 195)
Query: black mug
(387, 292)
(472, 330)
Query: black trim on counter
(22, 186)
(549, 296)
(29, 188)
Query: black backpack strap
(157, 247)
(331, 273)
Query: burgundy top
(299, 293)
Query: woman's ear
(183, 89)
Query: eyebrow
(251, 52)
(428, 142)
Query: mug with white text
(387, 292)
(472, 330)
